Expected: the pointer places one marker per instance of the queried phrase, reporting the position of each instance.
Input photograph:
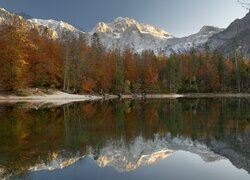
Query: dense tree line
(31, 59)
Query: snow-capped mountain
(127, 157)
(127, 33)
(58, 26)
(57, 162)
(123, 156)
(194, 41)
(123, 33)
(141, 152)
(120, 25)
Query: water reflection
(125, 135)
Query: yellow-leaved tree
(14, 47)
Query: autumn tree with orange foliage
(44, 62)
(14, 48)
(208, 77)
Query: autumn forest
(31, 59)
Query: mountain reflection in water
(128, 136)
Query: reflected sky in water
(181, 165)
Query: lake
(178, 139)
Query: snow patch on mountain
(3, 10)
(57, 163)
(59, 26)
(5, 15)
(194, 41)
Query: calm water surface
(185, 139)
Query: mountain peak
(120, 18)
(124, 19)
(101, 27)
(56, 25)
(206, 29)
(236, 33)
(2, 9)
(121, 24)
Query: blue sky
(179, 17)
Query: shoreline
(188, 95)
(217, 95)
(59, 96)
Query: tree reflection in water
(31, 139)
